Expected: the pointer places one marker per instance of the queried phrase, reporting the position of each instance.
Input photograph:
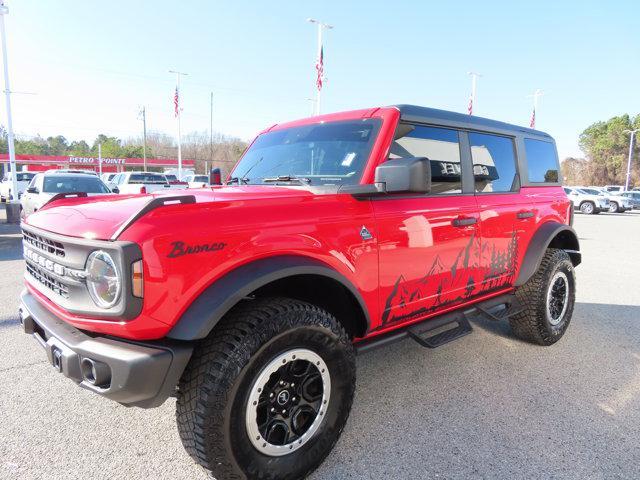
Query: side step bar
(436, 331)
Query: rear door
(504, 217)
(428, 244)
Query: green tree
(57, 145)
(79, 149)
(607, 146)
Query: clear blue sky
(92, 64)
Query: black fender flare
(550, 234)
(223, 294)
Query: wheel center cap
(283, 397)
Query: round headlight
(103, 280)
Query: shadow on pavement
(10, 244)
(7, 322)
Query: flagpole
(321, 26)
(178, 115)
(472, 100)
(538, 93)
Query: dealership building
(39, 163)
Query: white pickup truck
(140, 182)
(22, 178)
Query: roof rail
(152, 205)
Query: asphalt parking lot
(485, 406)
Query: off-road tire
(214, 390)
(532, 323)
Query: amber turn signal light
(137, 279)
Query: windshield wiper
(287, 178)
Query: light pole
(633, 133)
(472, 99)
(176, 102)
(319, 59)
(143, 114)
(7, 92)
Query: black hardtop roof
(419, 114)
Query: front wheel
(588, 208)
(547, 300)
(613, 207)
(268, 393)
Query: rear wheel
(613, 207)
(547, 300)
(588, 208)
(267, 395)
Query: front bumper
(134, 374)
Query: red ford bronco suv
(332, 235)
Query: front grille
(44, 244)
(47, 280)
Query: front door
(429, 245)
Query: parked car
(336, 234)
(587, 203)
(614, 188)
(173, 181)
(107, 177)
(633, 197)
(46, 185)
(6, 185)
(139, 182)
(197, 181)
(617, 204)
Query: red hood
(100, 217)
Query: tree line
(606, 147)
(219, 151)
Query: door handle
(525, 214)
(464, 221)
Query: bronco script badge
(180, 248)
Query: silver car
(617, 203)
(587, 202)
(45, 185)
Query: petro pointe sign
(94, 161)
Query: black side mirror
(32, 190)
(405, 175)
(115, 190)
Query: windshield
(591, 191)
(24, 177)
(73, 183)
(200, 178)
(321, 154)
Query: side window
(542, 161)
(440, 145)
(494, 163)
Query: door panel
(426, 263)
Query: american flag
(320, 68)
(176, 102)
(470, 108)
(532, 123)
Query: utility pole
(7, 92)
(206, 166)
(143, 112)
(178, 110)
(538, 93)
(319, 60)
(100, 158)
(472, 98)
(628, 180)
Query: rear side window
(494, 163)
(440, 145)
(542, 161)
